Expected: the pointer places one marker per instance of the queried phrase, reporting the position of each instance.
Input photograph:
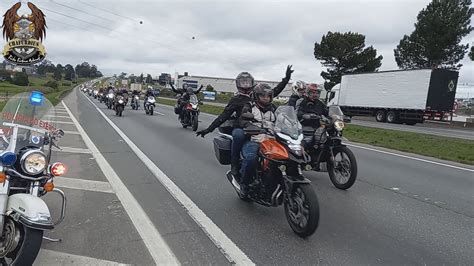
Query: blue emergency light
(36, 98)
(8, 158)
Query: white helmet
(299, 88)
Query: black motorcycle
(110, 100)
(324, 144)
(119, 105)
(135, 103)
(190, 116)
(278, 175)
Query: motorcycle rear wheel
(303, 216)
(27, 247)
(343, 172)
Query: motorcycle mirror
(59, 133)
(347, 119)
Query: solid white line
(50, 257)
(83, 184)
(412, 158)
(152, 239)
(229, 249)
(73, 150)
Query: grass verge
(444, 148)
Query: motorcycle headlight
(297, 149)
(120, 101)
(136, 98)
(339, 125)
(194, 106)
(33, 162)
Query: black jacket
(309, 107)
(293, 99)
(236, 104)
(185, 95)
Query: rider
(149, 92)
(186, 93)
(262, 116)
(298, 91)
(135, 92)
(311, 106)
(245, 84)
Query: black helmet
(262, 89)
(189, 90)
(185, 86)
(244, 82)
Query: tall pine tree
(344, 53)
(435, 42)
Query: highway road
(401, 210)
(425, 128)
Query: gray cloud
(261, 37)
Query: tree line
(434, 43)
(68, 72)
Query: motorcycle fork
(4, 188)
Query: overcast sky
(260, 37)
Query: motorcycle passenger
(262, 112)
(185, 93)
(309, 111)
(298, 91)
(245, 83)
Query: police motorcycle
(278, 178)
(190, 116)
(28, 134)
(327, 147)
(149, 105)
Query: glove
(203, 133)
(288, 72)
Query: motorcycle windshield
(193, 99)
(25, 121)
(287, 122)
(335, 112)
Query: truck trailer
(399, 96)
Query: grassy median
(451, 149)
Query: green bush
(20, 79)
(66, 84)
(52, 84)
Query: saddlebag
(222, 146)
(177, 109)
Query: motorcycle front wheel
(151, 110)
(20, 244)
(343, 170)
(302, 210)
(195, 123)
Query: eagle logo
(24, 35)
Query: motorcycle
(278, 177)
(96, 93)
(150, 105)
(191, 113)
(135, 102)
(101, 97)
(27, 174)
(119, 105)
(110, 100)
(328, 148)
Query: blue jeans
(249, 152)
(238, 140)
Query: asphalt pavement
(400, 211)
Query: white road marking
(83, 184)
(71, 132)
(411, 158)
(50, 257)
(229, 249)
(57, 116)
(59, 122)
(156, 245)
(73, 150)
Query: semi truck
(398, 96)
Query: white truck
(399, 96)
